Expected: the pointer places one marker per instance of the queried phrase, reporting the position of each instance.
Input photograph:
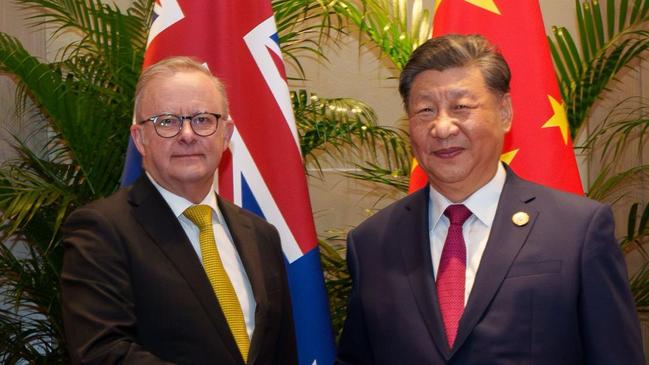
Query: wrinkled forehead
(173, 89)
(454, 82)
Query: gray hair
(454, 50)
(169, 67)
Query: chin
(451, 177)
(192, 174)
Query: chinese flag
(538, 147)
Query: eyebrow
(451, 94)
(458, 93)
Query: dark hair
(454, 50)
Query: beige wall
(33, 39)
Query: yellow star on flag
(558, 119)
(488, 5)
(414, 165)
(507, 157)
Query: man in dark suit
(482, 267)
(164, 271)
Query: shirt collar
(178, 204)
(482, 203)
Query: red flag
(538, 147)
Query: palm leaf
(586, 72)
(83, 99)
(346, 129)
(337, 279)
(305, 25)
(639, 283)
(30, 315)
(626, 122)
(385, 24)
(612, 186)
(395, 178)
(637, 231)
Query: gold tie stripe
(201, 216)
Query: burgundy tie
(451, 271)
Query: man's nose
(186, 131)
(444, 126)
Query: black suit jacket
(553, 291)
(135, 292)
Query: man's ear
(228, 129)
(506, 112)
(137, 135)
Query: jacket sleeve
(608, 319)
(97, 299)
(286, 351)
(354, 347)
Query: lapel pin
(520, 218)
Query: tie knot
(457, 213)
(200, 215)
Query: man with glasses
(165, 271)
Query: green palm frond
(95, 81)
(626, 122)
(337, 279)
(345, 129)
(80, 101)
(304, 26)
(390, 25)
(637, 230)
(395, 178)
(30, 185)
(103, 28)
(625, 125)
(30, 314)
(639, 283)
(610, 186)
(607, 45)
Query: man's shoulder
(569, 205)
(417, 203)
(546, 192)
(120, 204)
(113, 202)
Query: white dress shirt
(228, 252)
(483, 204)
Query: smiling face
(184, 164)
(457, 127)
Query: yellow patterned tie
(201, 215)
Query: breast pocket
(520, 269)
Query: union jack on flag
(263, 172)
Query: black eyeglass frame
(182, 118)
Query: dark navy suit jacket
(553, 291)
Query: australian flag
(263, 171)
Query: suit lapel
(415, 251)
(246, 242)
(505, 241)
(157, 219)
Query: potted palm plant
(609, 116)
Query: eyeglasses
(169, 125)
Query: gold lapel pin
(520, 218)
